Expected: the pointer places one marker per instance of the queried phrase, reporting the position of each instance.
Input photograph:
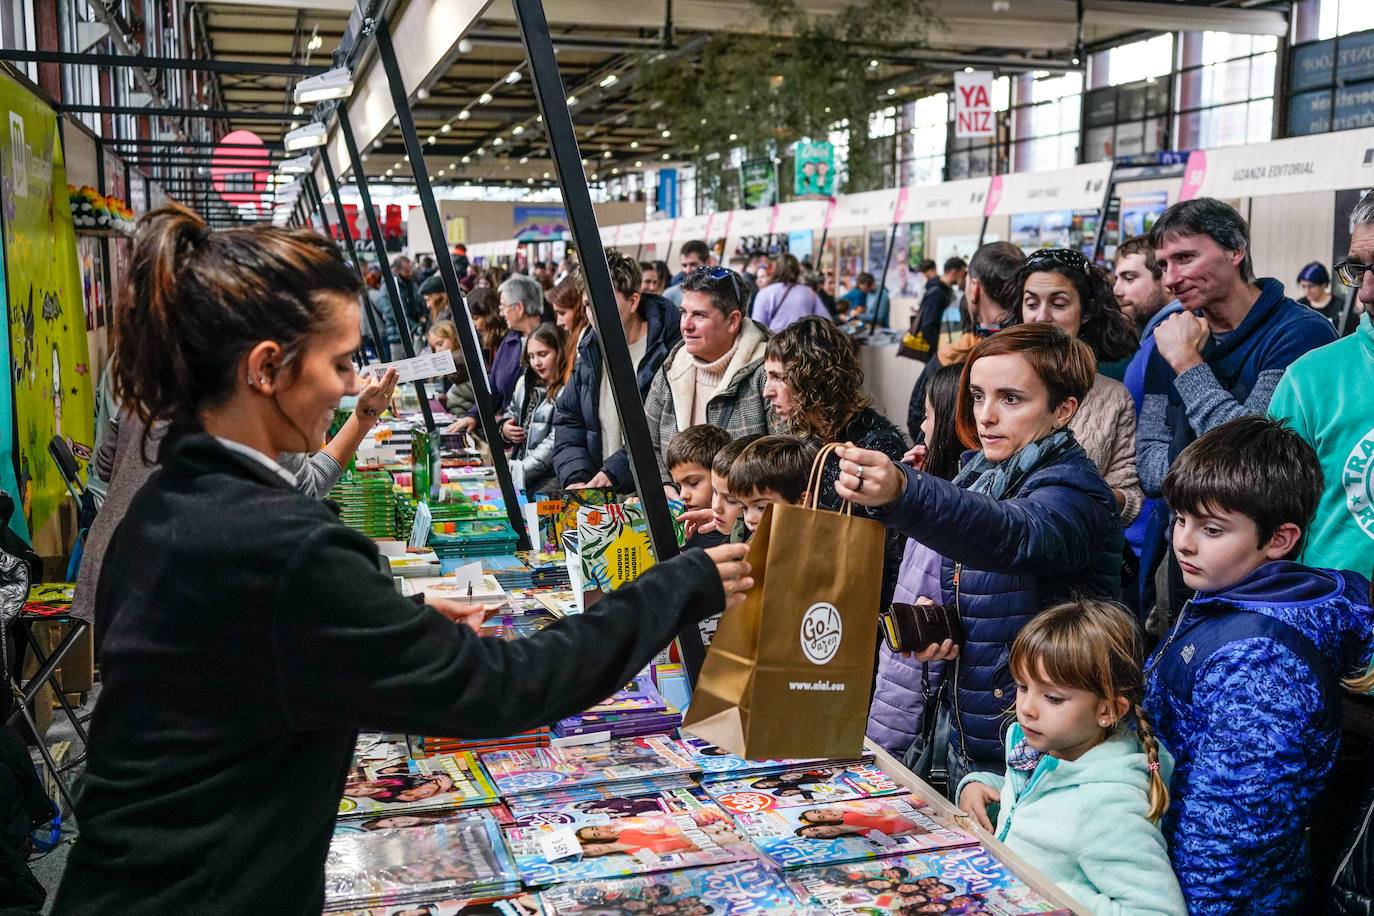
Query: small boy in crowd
(689, 457)
(771, 470)
(1245, 690)
(726, 510)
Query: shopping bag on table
(789, 670)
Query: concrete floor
(48, 867)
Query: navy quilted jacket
(1254, 743)
(1057, 536)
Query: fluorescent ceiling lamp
(295, 166)
(332, 84)
(307, 137)
(610, 80)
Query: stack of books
(638, 709)
(748, 888)
(801, 788)
(381, 788)
(428, 745)
(718, 763)
(365, 503)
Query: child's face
(755, 503)
(725, 506)
(1217, 550)
(1060, 721)
(694, 483)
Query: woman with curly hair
(1061, 287)
(816, 387)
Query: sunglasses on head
(720, 273)
(1059, 257)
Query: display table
(889, 379)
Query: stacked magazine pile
(639, 709)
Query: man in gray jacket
(716, 374)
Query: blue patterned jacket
(1254, 728)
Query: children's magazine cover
(966, 881)
(432, 783)
(850, 831)
(687, 830)
(590, 796)
(537, 769)
(523, 905)
(444, 861)
(640, 695)
(399, 819)
(822, 785)
(736, 889)
(718, 763)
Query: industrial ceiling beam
(214, 65)
(213, 114)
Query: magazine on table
(535, 801)
(718, 763)
(849, 831)
(463, 858)
(538, 769)
(794, 788)
(523, 905)
(568, 845)
(968, 880)
(426, 784)
(736, 889)
(640, 695)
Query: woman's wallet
(913, 627)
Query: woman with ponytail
(1086, 780)
(245, 634)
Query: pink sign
(1193, 175)
(994, 196)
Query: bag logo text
(821, 632)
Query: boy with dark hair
(726, 509)
(773, 469)
(689, 457)
(1245, 690)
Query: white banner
(719, 227)
(800, 215)
(687, 228)
(629, 237)
(608, 234)
(1323, 162)
(658, 230)
(1082, 187)
(951, 200)
(973, 114)
(751, 222)
(870, 208)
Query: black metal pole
(610, 334)
(365, 300)
(1102, 215)
(882, 281)
(472, 354)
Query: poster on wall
(539, 224)
(1139, 212)
(851, 262)
(815, 169)
(898, 271)
(915, 282)
(48, 356)
(877, 251)
(756, 182)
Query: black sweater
(245, 635)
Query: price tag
(557, 843)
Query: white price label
(557, 843)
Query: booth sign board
(973, 114)
(1298, 165)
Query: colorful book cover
(464, 858)
(968, 880)
(523, 905)
(572, 501)
(613, 544)
(850, 831)
(639, 695)
(431, 783)
(590, 796)
(687, 830)
(819, 786)
(619, 725)
(397, 820)
(735, 889)
(718, 763)
(538, 769)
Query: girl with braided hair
(1086, 780)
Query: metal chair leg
(47, 755)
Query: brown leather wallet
(913, 627)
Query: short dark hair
(994, 266)
(1217, 220)
(724, 293)
(864, 277)
(778, 463)
(696, 247)
(625, 275)
(1140, 244)
(926, 264)
(1253, 465)
(728, 453)
(695, 445)
(955, 263)
(1104, 327)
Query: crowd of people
(1171, 462)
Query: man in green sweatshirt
(1324, 396)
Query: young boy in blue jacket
(1245, 689)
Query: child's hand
(916, 457)
(975, 800)
(513, 431)
(696, 520)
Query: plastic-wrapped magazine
(569, 845)
(718, 763)
(737, 889)
(534, 801)
(537, 769)
(427, 784)
(463, 858)
(850, 831)
(967, 881)
(821, 785)
(398, 819)
(523, 905)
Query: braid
(1159, 790)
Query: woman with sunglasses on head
(245, 634)
(1059, 286)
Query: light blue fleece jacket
(1082, 823)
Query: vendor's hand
(868, 478)
(375, 397)
(465, 612)
(696, 520)
(733, 570)
(916, 457)
(461, 425)
(1180, 339)
(600, 480)
(975, 800)
(513, 431)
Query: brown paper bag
(789, 671)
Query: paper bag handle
(813, 483)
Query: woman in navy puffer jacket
(1028, 522)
